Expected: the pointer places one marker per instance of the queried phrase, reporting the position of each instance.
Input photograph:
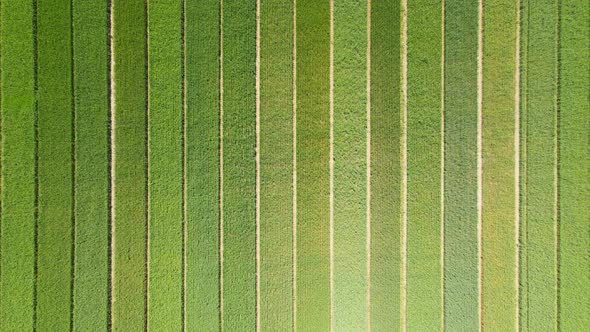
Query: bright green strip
(17, 246)
(574, 169)
(424, 293)
(202, 162)
(130, 165)
(350, 154)
(461, 215)
(55, 107)
(239, 169)
(165, 155)
(276, 165)
(313, 139)
(91, 90)
(385, 166)
(538, 310)
(500, 292)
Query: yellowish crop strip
(517, 102)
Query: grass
(499, 224)
(202, 162)
(17, 226)
(55, 162)
(129, 238)
(165, 156)
(461, 298)
(538, 269)
(424, 116)
(350, 155)
(386, 260)
(573, 159)
(313, 150)
(276, 165)
(92, 213)
(239, 169)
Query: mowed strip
(350, 163)
(165, 158)
(461, 261)
(17, 104)
(574, 161)
(239, 165)
(202, 165)
(313, 176)
(385, 166)
(276, 169)
(129, 158)
(499, 214)
(56, 162)
(424, 116)
(538, 253)
(92, 227)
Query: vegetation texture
(306, 165)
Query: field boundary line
(257, 213)
(112, 156)
(294, 151)
(74, 164)
(184, 169)
(147, 153)
(331, 165)
(517, 184)
(442, 162)
(368, 179)
(480, 157)
(221, 165)
(404, 166)
(36, 134)
(556, 170)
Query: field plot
(18, 189)
(202, 165)
(538, 231)
(92, 200)
(276, 165)
(385, 181)
(499, 113)
(422, 121)
(305, 165)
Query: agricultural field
(302, 165)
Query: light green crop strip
(499, 214)
(350, 155)
(129, 126)
(313, 176)
(165, 158)
(17, 243)
(202, 165)
(424, 269)
(276, 165)
(538, 310)
(386, 118)
(574, 169)
(92, 227)
(56, 163)
(239, 165)
(461, 273)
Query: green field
(309, 165)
